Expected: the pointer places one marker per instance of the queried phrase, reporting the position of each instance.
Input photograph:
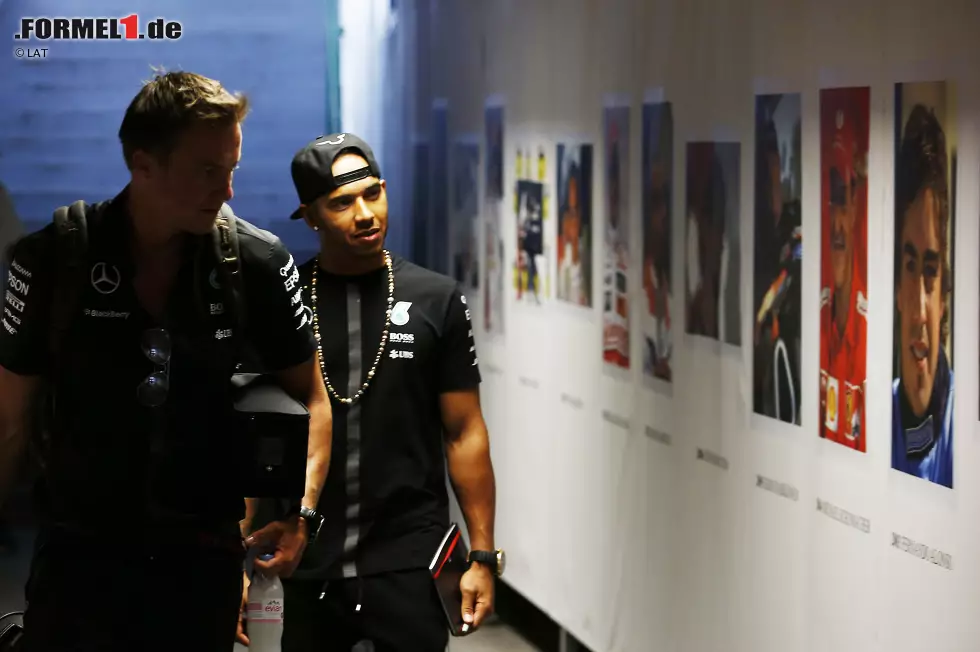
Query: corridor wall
(650, 515)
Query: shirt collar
(116, 233)
(921, 432)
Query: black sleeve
(458, 364)
(279, 326)
(27, 305)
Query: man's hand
(240, 636)
(477, 588)
(286, 540)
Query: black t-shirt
(98, 465)
(385, 501)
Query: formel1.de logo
(57, 28)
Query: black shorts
(82, 597)
(399, 611)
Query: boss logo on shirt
(402, 338)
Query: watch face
(501, 562)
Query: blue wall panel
(59, 115)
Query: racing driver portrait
(844, 116)
(922, 389)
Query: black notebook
(447, 568)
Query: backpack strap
(69, 256)
(228, 254)
(71, 249)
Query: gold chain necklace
(384, 333)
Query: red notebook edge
(447, 585)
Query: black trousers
(110, 597)
(399, 611)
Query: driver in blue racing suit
(922, 394)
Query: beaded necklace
(384, 333)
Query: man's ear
(384, 184)
(143, 164)
(308, 217)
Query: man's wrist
(302, 524)
(483, 566)
(306, 520)
(488, 558)
(481, 543)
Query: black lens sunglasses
(152, 392)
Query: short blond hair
(169, 104)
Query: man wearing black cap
(398, 357)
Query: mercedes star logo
(105, 278)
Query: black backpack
(271, 426)
(71, 251)
(71, 255)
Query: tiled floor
(494, 636)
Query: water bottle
(265, 611)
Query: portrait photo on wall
(493, 118)
(924, 220)
(532, 263)
(656, 184)
(777, 264)
(574, 224)
(713, 260)
(465, 233)
(844, 124)
(615, 249)
(494, 269)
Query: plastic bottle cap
(266, 556)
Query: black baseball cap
(313, 167)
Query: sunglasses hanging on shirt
(152, 392)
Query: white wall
(377, 80)
(636, 545)
(363, 33)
